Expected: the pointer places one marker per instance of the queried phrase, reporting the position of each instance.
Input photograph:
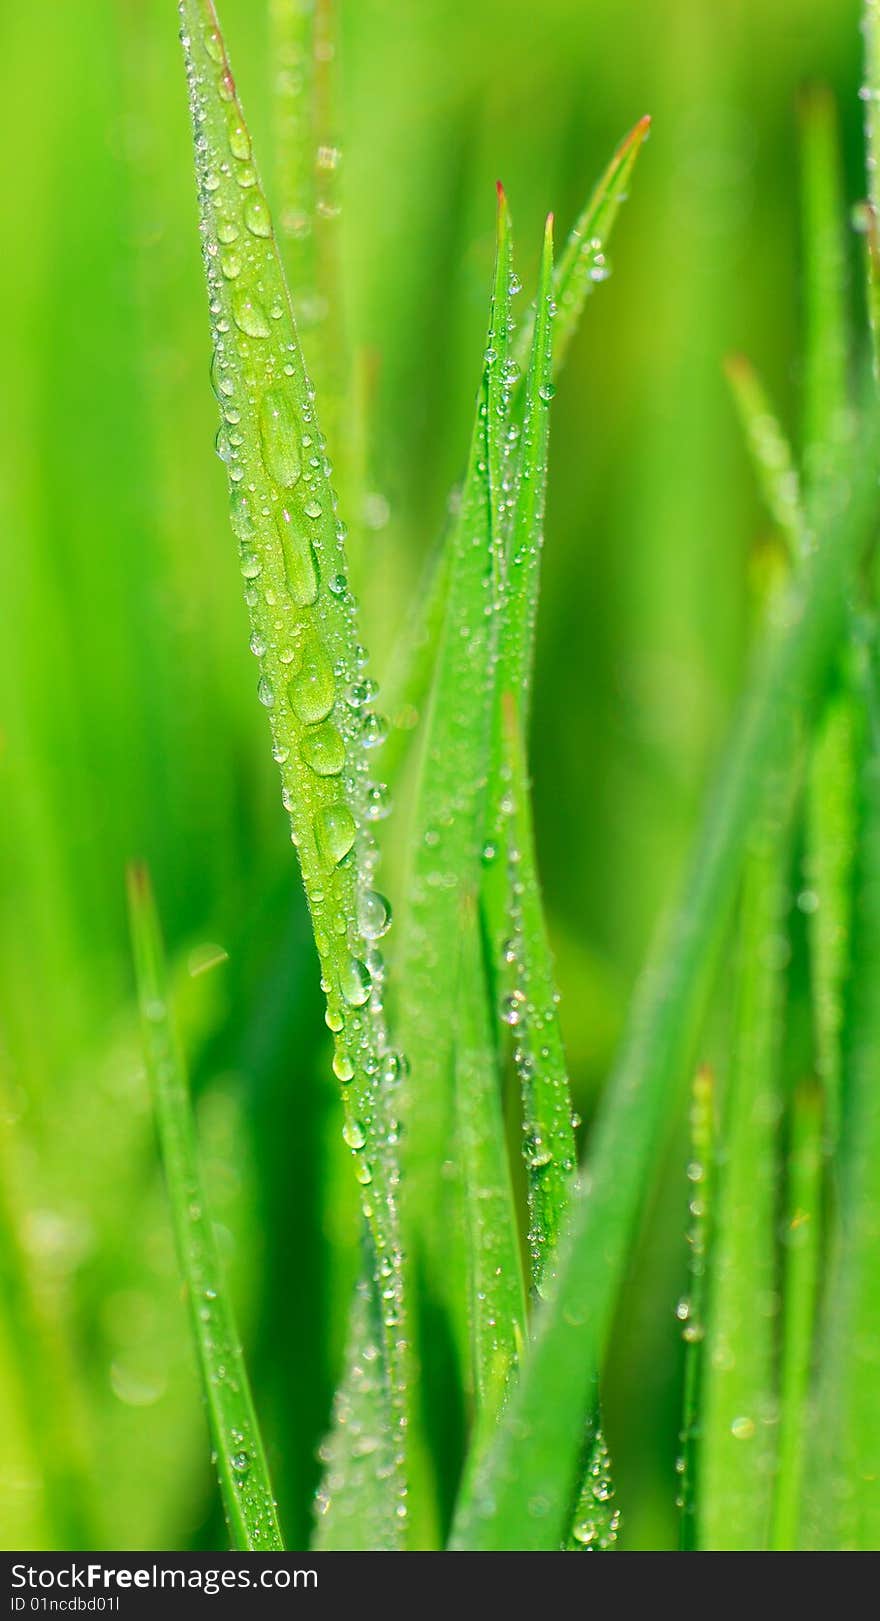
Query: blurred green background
(128, 724)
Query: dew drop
(323, 749)
(249, 315)
(213, 43)
(343, 1068)
(300, 563)
(256, 215)
(312, 690)
(742, 1429)
(355, 982)
(374, 914)
(353, 1134)
(335, 832)
(278, 437)
(239, 140)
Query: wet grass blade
(519, 1497)
(584, 264)
(826, 409)
(831, 783)
(771, 454)
(530, 1008)
(800, 1288)
(846, 1510)
(595, 1523)
(831, 836)
(497, 1294)
(737, 1419)
(304, 634)
(355, 1511)
(583, 267)
(870, 93)
(692, 1310)
(449, 818)
(247, 1494)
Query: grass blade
(497, 1294)
(355, 1512)
(304, 633)
(771, 454)
(692, 1311)
(530, 1009)
(848, 1514)
(241, 1465)
(826, 383)
(596, 1520)
(583, 264)
(738, 1391)
(803, 1231)
(870, 94)
(450, 810)
(581, 270)
(532, 1462)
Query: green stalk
(846, 1510)
(304, 632)
(497, 1294)
(826, 409)
(242, 1474)
(803, 1235)
(692, 1311)
(736, 1453)
(519, 1496)
(870, 94)
(771, 454)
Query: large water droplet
(256, 215)
(300, 563)
(335, 832)
(324, 750)
(279, 437)
(354, 1135)
(249, 315)
(355, 982)
(312, 690)
(374, 914)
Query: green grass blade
(497, 1294)
(847, 1510)
(580, 271)
(826, 383)
(870, 94)
(519, 1497)
(449, 819)
(691, 1311)
(803, 1233)
(595, 1524)
(831, 836)
(304, 633)
(530, 1009)
(355, 1511)
(771, 453)
(583, 264)
(736, 1454)
(831, 783)
(527, 528)
(241, 1465)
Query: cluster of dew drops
(342, 826)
